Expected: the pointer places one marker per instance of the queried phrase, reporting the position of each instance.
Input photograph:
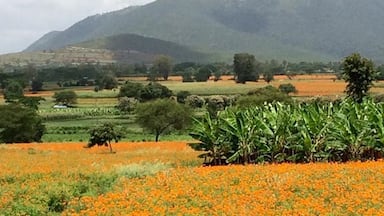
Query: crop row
(73, 113)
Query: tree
(36, 85)
(31, 102)
(67, 97)
(140, 68)
(203, 74)
(268, 76)
(162, 66)
(187, 74)
(154, 91)
(107, 81)
(103, 136)
(131, 90)
(19, 124)
(162, 115)
(245, 68)
(359, 73)
(13, 91)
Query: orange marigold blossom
(28, 171)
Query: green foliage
(103, 136)
(31, 102)
(216, 103)
(13, 91)
(131, 89)
(153, 91)
(162, 115)
(244, 66)
(268, 76)
(36, 85)
(287, 88)
(263, 95)
(359, 73)
(126, 104)
(203, 74)
(162, 66)
(182, 96)
(107, 81)
(187, 74)
(20, 125)
(299, 133)
(195, 101)
(67, 97)
(142, 170)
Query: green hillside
(294, 30)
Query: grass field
(166, 179)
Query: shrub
(287, 88)
(131, 90)
(260, 96)
(195, 101)
(154, 91)
(182, 96)
(216, 103)
(127, 104)
(67, 97)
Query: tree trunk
(157, 137)
(110, 147)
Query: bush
(195, 101)
(260, 96)
(131, 90)
(217, 103)
(287, 88)
(65, 97)
(127, 104)
(154, 91)
(182, 96)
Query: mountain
(294, 30)
(125, 48)
(130, 44)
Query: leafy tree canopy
(359, 73)
(19, 124)
(244, 66)
(162, 66)
(67, 97)
(162, 115)
(13, 91)
(103, 136)
(154, 91)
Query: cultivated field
(166, 179)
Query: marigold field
(167, 179)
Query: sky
(22, 22)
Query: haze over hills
(125, 48)
(294, 30)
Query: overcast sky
(24, 21)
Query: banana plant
(244, 129)
(351, 133)
(212, 140)
(314, 123)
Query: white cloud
(24, 21)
